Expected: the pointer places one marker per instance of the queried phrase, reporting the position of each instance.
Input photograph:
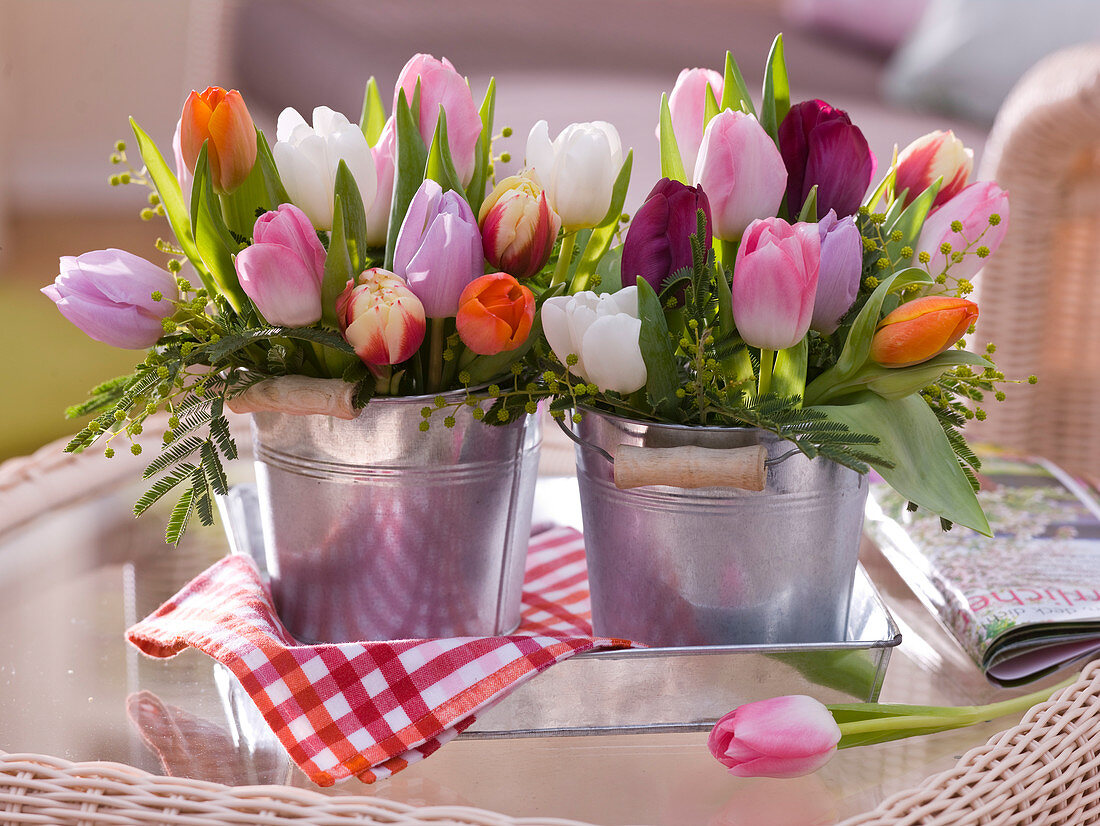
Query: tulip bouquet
(764, 282)
(382, 252)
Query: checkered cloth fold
(370, 709)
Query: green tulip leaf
(618, 192)
(662, 379)
(373, 119)
(354, 217)
(885, 187)
(440, 166)
(808, 212)
(412, 155)
(475, 192)
(710, 105)
(789, 374)
(735, 92)
(338, 264)
(898, 382)
(919, 462)
(275, 192)
(609, 271)
(777, 92)
(216, 245)
(672, 165)
(168, 188)
(910, 222)
(724, 296)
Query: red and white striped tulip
(381, 318)
(518, 228)
(938, 154)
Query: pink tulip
(840, 271)
(781, 737)
(438, 250)
(687, 104)
(283, 269)
(741, 171)
(381, 318)
(982, 210)
(441, 85)
(385, 158)
(935, 155)
(109, 295)
(774, 283)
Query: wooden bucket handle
(691, 467)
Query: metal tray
(655, 689)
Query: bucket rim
(687, 428)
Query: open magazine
(1024, 602)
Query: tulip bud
(981, 211)
(577, 170)
(441, 85)
(381, 318)
(602, 332)
(781, 737)
(839, 273)
(518, 228)
(658, 242)
(308, 157)
(935, 155)
(282, 271)
(920, 329)
(741, 171)
(221, 120)
(109, 295)
(821, 147)
(384, 153)
(687, 103)
(774, 283)
(495, 313)
(438, 250)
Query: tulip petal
(283, 288)
(616, 358)
(555, 326)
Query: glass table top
(75, 577)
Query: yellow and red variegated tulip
(938, 154)
(518, 227)
(221, 120)
(495, 313)
(920, 329)
(381, 318)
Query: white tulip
(577, 170)
(307, 158)
(602, 332)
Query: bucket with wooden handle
(713, 536)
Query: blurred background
(73, 71)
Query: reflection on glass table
(75, 577)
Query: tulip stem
(767, 364)
(565, 258)
(436, 327)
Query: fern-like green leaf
(162, 486)
(181, 515)
(171, 455)
(219, 432)
(212, 467)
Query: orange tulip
(920, 329)
(495, 313)
(221, 120)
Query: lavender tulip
(441, 85)
(687, 105)
(283, 269)
(821, 146)
(774, 282)
(109, 295)
(840, 271)
(741, 171)
(438, 249)
(658, 242)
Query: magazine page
(1023, 602)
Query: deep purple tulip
(841, 268)
(109, 295)
(659, 239)
(820, 146)
(438, 249)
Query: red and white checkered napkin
(370, 709)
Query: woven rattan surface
(1040, 295)
(1044, 771)
(35, 789)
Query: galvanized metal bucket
(714, 565)
(375, 530)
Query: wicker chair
(1040, 295)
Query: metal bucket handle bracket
(690, 466)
